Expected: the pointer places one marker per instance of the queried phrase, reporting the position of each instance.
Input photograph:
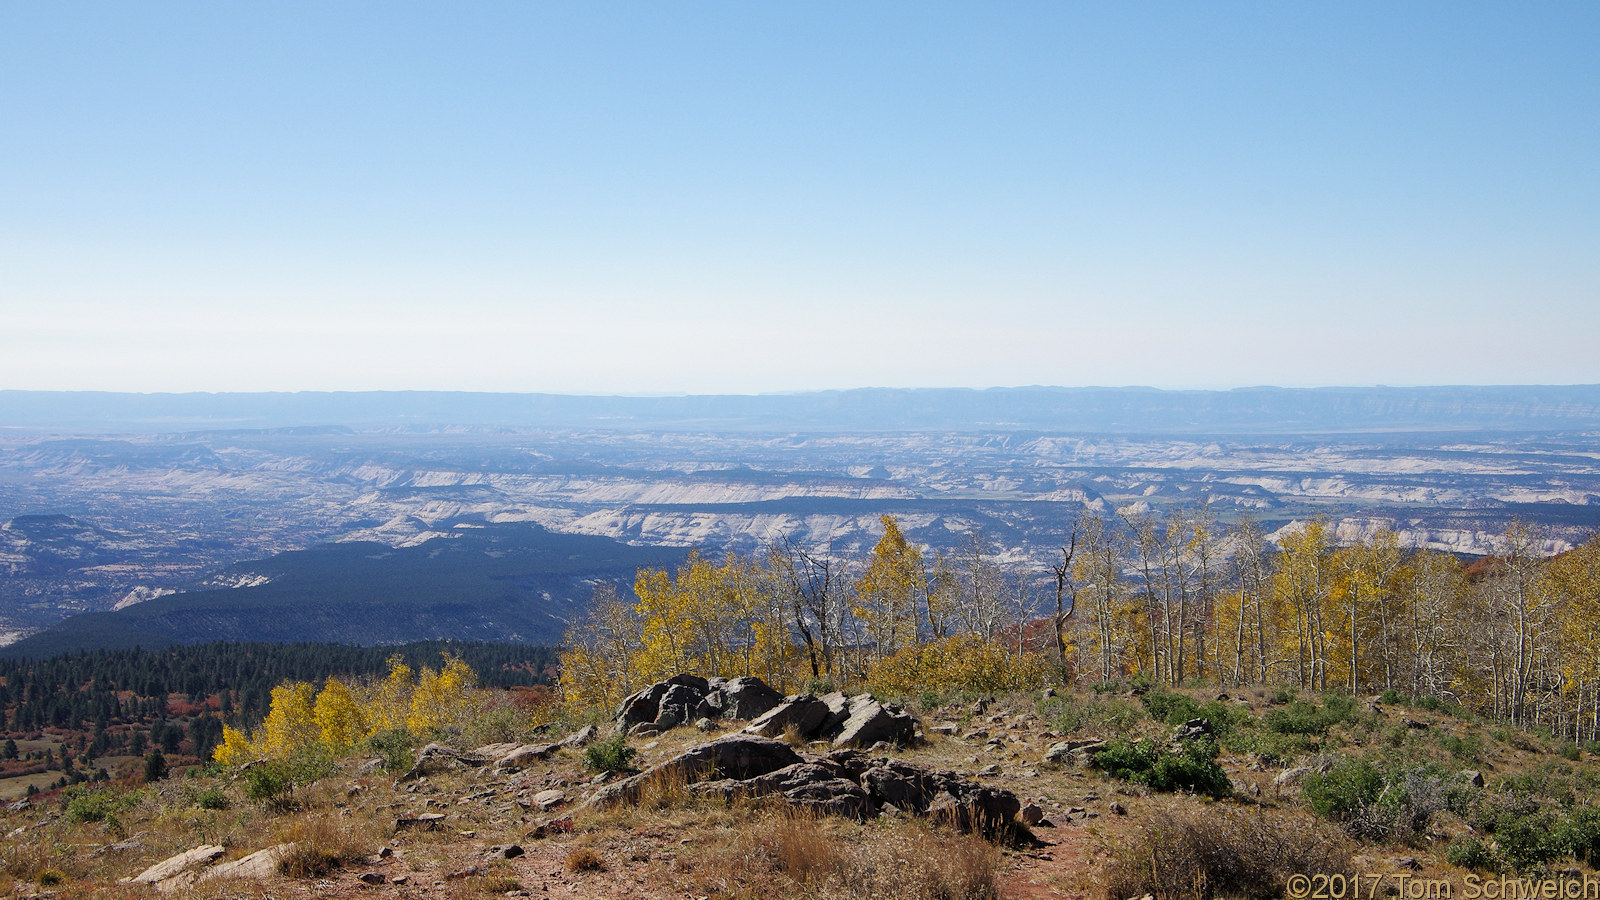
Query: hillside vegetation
(1173, 599)
(1204, 717)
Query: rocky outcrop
(871, 722)
(687, 699)
(1078, 752)
(803, 713)
(846, 783)
(436, 758)
(163, 873)
(516, 757)
(257, 865)
(859, 721)
(740, 698)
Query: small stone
(424, 822)
(370, 878)
(1117, 809)
(505, 851)
(1032, 814)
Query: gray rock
(1032, 814)
(1076, 752)
(678, 706)
(504, 851)
(803, 712)
(971, 807)
(1193, 729)
(258, 865)
(747, 698)
(641, 707)
(832, 797)
(174, 866)
(906, 786)
(870, 722)
(436, 758)
(583, 737)
(738, 756)
(520, 757)
(1292, 778)
(1472, 777)
(711, 706)
(423, 822)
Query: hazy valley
(96, 519)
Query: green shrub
(1192, 767)
(1342, 791)
(1300, 717)
(1391, 697)
(1173, 709)
(1581, 833)
(211, 798)
(1338, 707)
(1471, 853)
(1224, 717)
(1274, 748)
(1111, 715)
(394, 747)
(1569, 751)
(1467, 748)
(97, 805)
(613, 755)
(1126, 760)
(269, 782)
(1530, 839)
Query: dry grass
(1195, 852)
(788, 853)
(321, 842)
(584, 859)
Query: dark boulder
(870, 722)
(802, 712)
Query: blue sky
(761, 197)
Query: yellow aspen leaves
(888, 592)
(343, 714)
(339, 715)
